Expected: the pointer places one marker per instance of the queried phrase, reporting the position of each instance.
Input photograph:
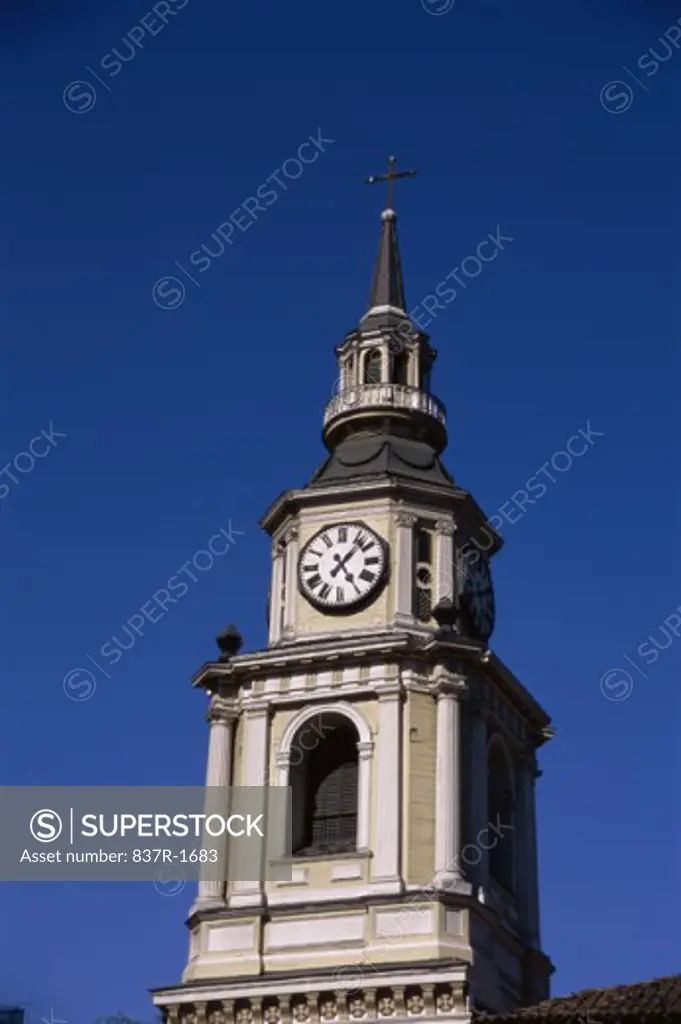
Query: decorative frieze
(328, 1006)
(271, 1011)
(446, 999)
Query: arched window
(373, 363)
(501, 812)
(401, 368)
(324, 772)
(423, 575)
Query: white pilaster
(221, 719)
(413, 368)
(365, 757)
(444, 561)
(254, 773)
(404, 588)
(385, 364)
(448, 785)
(385, 865)
(291, 556)
(276, 593)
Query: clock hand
(348, 575)
(341, 562)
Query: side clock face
(341, 566)
(478, 598)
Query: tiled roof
(655, 1001)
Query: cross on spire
(391, 177)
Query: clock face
(342, 565)
(478, 598)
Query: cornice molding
(291, 502)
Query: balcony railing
(391, 396)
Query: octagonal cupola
(384, 365)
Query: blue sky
(180, 421)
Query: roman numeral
(342, 534)
(362, 541)
(327, 540)
(312, 567)
(369, 577)
(319, 554)
(373, 560)
(340, 595)
(314, 581)
(325, 591)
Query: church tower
(409, 747)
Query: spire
(387, 287)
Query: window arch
(401, 368)
(423, 575)
(325, 756)
(501, 810)
(373, 364)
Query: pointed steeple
(387, 287)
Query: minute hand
(341, 562)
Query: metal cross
(390, 177)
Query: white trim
(253, 773)
(386, 309)
(387, 819)
(349, 513)
(364, 759)
(346, 871)
(234, 936)
(447, 790)
(275, 593)
(344, 708)
(404, 566)
(335, 893)
(445, 569)
(424, 950)
(291, 556)
(264, 986)
(211, 892)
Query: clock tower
(409, 747)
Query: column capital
(445, 527)
(450, 685)
(388, 689)
(256, 708)
(408, 519)
(222, 711)
(292, 533)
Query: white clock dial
(342, 565)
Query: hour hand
(341, 563)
